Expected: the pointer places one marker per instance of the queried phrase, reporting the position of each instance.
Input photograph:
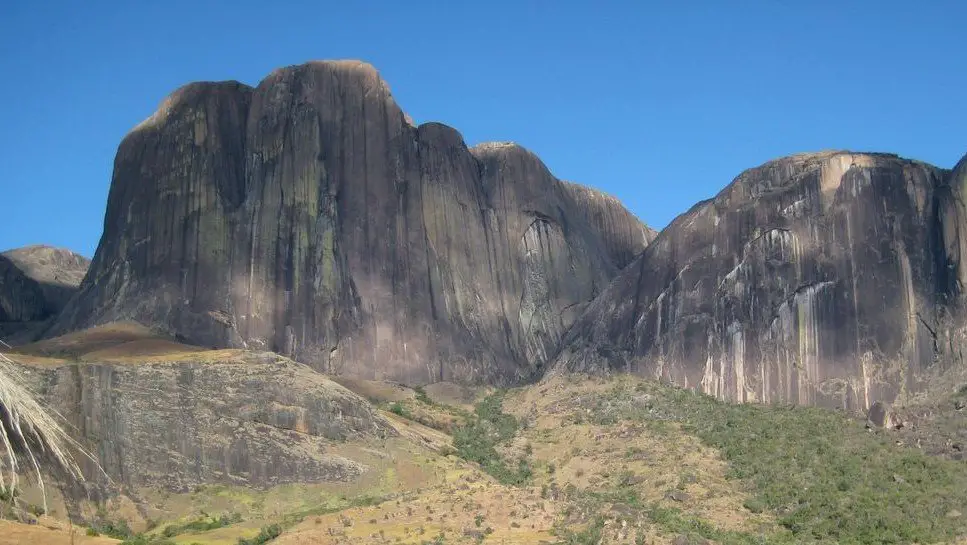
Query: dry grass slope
(122, 342)
(48, 532)
(575, 460)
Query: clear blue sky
(658, 103)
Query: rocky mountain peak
(310, 217)
(820, 278)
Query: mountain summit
(308, 216)
(830, 278)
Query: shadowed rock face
(35, 284)
(254, 420)
(309, 217)
(830, 278)
(21, 297)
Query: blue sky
(658, 103)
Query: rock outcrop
(832, 278)
(250, 419)
(36, 282)
(308, 216)
(21, 297)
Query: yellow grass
(47, 532)
(431, 491)
(514, 516)
(115, 343)
(661, 458)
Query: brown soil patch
(452, 394)
(140, 347)
(47, 532)
(375, 390)
(121, 339)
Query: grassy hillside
(798, 475)
(576, 460)
(579, 460)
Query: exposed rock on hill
(35, 284)
(308, 216)
(832, 278)
(58, 271)
(623, 232)
(21, 298)
(226, 417)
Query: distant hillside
(35, 284)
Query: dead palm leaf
(30, 433)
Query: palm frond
(30, 433)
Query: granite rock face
(21, 297)
(833, 278)
(36, 282)
(308, 216)
(254, 419)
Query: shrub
(8, 494)
(142, 539)
(266, 534)
(117, 530)
(397, 408)
(821, 473)
(422, 397)
(483, 431)
(203, 524)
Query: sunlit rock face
(36, 282)
(833, 278)
(245, 419)
(308, 216)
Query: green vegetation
(820, 473)
(116, 529)
(202, 524)
(144, 539)
(589, 535)
(673, 521)
(7, 495)
(207, 523)
(422, 396)
(120, 530)
(266, 534)
(476, 440)
(345, 503)
(8, 499)
(589, 504)
(423, 410)
(398, 409)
